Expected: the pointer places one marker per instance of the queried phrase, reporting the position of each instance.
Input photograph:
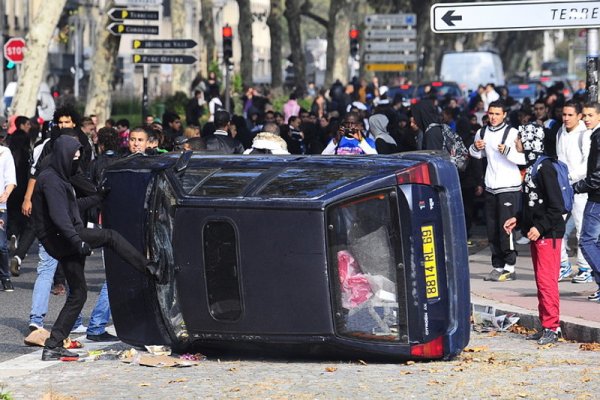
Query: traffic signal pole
(227, 55)
(591, 65)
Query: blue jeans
(589, 240)
(100, 313)
(3, 247)
(41, 289)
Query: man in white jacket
(8, 181)
(572, 148)
(503, 180)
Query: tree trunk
(276, 32)
(99, 96)
(292, 14)
(36, 55)
(180, 80)
(245, 34)
(338, 45)
(207, 32)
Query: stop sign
(13, 50)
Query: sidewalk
(580, 318)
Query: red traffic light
(354, 33)
(227, 32)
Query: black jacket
(222, 144)
(55, 211)
(546, 216)
(591, 183)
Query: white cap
(383, 90)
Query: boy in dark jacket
(58, 226)
(542, 223)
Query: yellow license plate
(431, 279)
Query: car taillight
(436, 84)
(523, 87)
(404, 87)
(432, 349)
(416, 174)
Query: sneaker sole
(582, 281)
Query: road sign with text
(164, 44)
(163, 59)
(120, 14)
(390, 41)
(122, 29)
(514, 16)
(138, 2)
(13, 50)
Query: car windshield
(440, 91)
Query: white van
(472, 68)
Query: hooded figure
(542, 223)
(384, 142)
(59, 228)
(427, 119)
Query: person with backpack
(572, 148)
(589, 240)
(541, 220)
(496, 142)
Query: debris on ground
(589, 346)
(486, 320)
(37, 337)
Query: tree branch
(305, 10)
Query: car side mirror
(183, 161)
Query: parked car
(406, 91)
(521, 91)
(547, 82)
(321, 256)
(443, 91)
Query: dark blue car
(321, 256)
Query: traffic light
(227, 44)
(8, 65)
(354, 42)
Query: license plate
(431, 279)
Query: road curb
(576, 329)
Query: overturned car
(346, 257)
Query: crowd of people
(42, 166)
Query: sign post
(390, 42)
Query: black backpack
(453, 143)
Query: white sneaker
(79, 329)
(522, 240)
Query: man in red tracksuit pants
(542, 223)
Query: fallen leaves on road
(477, 349)
(330, 369)
(144, 384)
(180, 380)
(589, 346)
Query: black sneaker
(15, 266)
(500, 276)
(103, 337)
(7, 285)
(535, 336)
(548, 336)
(57, 353)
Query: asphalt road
(14, 317)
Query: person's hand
(533, 234)
(519, 145)
(4, 197)
(479, 144)
(26, 207)
(84, 249)
(501, 148)
(478, 190)
(509, 225)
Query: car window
(224, 182)
(302, 182)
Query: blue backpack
(562, 171)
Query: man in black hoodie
(58, 226)
(542, 223)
